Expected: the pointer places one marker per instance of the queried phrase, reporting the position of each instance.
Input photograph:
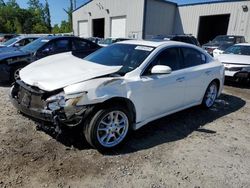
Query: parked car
(110, 40)
(95, 39)
(221, 49)
(236, 60)
(181, 38)
(15, 43)
(118, 88)
(12, 62)
(220, 41)
(5, 37)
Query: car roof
(26, 37)
(58, 37)
(152, 43)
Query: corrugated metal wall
(239, 23)
(133, 10)
(160, 18)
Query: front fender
(98, 90)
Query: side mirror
(161, 69)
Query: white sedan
(236, 60)
(118, 88)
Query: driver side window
(168, 57)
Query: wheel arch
(123, 102)
(217, 81)
(18, 64)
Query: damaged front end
(52, 107)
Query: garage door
(83, 29)
(118, 27)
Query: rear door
(198, 74)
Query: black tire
(207, 97)
(93, 125)
(14, 71)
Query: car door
(81, 48)
(54, 47)
(163, 93)
(198, 74)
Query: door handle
(181, 79)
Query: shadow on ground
(168, 129)
(5, 84)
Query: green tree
(34, 4)
(56, 29)
(47, 16)
(69, 11)
(8, 17)
(2, 3)
(38, 17)
(35, 19)
(65, 27)
(13, 4)
(26, 20)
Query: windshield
(35, 45)
(223, 39)
(128, 56)
(224, 46)
(238, 50)
(9, 42)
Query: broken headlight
(56, 102)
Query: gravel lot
(192, 148)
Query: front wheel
(15, 73)
(210, 95)
(107, 128)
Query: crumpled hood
(58, 71)
(231, 58)
(12, 54)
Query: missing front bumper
(33, 105)
(45, 115)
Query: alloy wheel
(211, 95)
(112, 128)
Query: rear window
(193, 57)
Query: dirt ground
(193, 148)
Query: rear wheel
(107, 128)
(210, 95)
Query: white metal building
(145, 18)
(207, 20)
(124, 18)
